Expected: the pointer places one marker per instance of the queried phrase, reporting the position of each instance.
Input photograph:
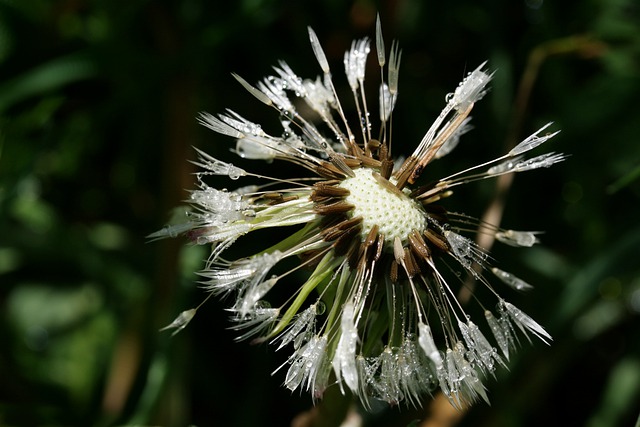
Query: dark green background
(97, 118)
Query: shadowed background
(98, 101)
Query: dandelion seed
(394, 68)
(413, 377)
(181, 321)
(511, 280)
(471, 89)
(301, 329)
(532, 141)
(387, 384)
(452, 142)
(517, 238)
(219, 126)
(380, 43)
(542, 161)
(481, 352)
(525, 323)
(261, 96)
(428, 345)
(218, 167)
(318, 51)
(308, 367)
(380, 256)
(387, 102)
(344, 361)
(466, 252)
(506, 166)
(355, 61)
(256, 322)
(502, 335)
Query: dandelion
(378, 314)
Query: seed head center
(395, 215)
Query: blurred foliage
(97, 107)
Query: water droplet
(202, 240)
(321, 307)
(263, 304)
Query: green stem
(325, 268)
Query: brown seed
(349, 237)
(329, 221)
(393, 271)
(387, 184)
(344, 225)
(352, 163)
(437, 239)
(437, 212)
(333, 208)
(370, 250)
(386, 168)
(277, 198)
(311, 259)
(436, 197)
(321, 189)
(355, 150)
(410, 263)
(328, 170)
(328, 183)
(371, 162)
(419, 191)
(379, 247)
(371, 237)
(331, 234)
(338, 161)
(405, 171)
(419, 246)
(314, 197)
(354, 253)
(273, 196)
(373, 144)
(416, 173)
(383, 152)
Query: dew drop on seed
(263, 304)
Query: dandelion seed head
(376, 311)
